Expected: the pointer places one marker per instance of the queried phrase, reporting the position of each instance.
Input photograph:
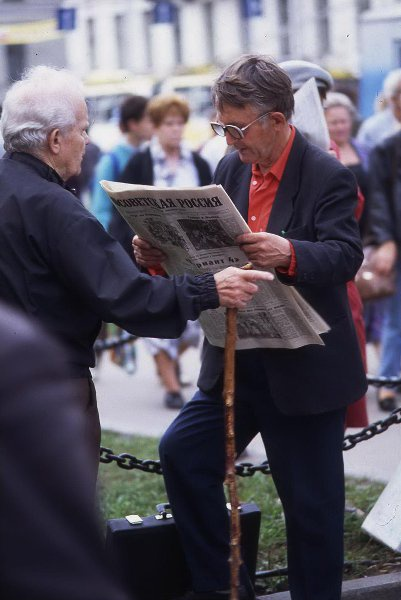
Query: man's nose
(230, 139)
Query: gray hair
(256, 80)
(43, 100)
(391, 83)
(334, 99)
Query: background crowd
(118, 282)
(153, 151)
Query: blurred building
(160, 37)
(113, 40)
(380, 50)
(140, 44)
(30, 34)
(133, 45)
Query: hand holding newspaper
(196, 228)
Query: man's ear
(278, 118)
(54, 141)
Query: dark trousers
(84, 395)
(305, 455)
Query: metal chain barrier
(128, 461)
(114, 341)
(245, 469)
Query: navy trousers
(305, 455)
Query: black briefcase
(149, 557)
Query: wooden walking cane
(230, 480)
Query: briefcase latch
(134, 519)
(162, 512)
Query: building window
(362, 5)
(283, 21)
(177, 38)
(90, 25)
(322, 11)
(208, 8)
(120, 40)
(16, 61)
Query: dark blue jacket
(314, 209)
(58, 265)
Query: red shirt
(262, 193)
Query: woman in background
(167, 162)
(340, 115)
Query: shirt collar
(158, 153)
(277, 169)
(37, 165)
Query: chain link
(384, 381)
(114, 341)
(246, 469)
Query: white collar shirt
(184, 175)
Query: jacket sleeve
(381, 188)
(90, 261)
(329, 249)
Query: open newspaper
(308, 115)
(197, 228)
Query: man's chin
(245, 156)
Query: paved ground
(133, 404)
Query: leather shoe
(387, 404)
(173, 400)
(386, 401)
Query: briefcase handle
(162, 509)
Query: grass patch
(126, 492)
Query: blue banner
(163, 12)
(251, 8)
(66, 19)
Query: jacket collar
(37, 165)
(284, 202)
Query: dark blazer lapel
(282, 210)
(239, 187)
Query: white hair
(44, 99)
(334, 99)
(391, 83)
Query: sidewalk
(133, 404)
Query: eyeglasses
(236, 132)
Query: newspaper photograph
(196, 228)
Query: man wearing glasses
(299, 204)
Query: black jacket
(139, 170)
(314, 208)
(59, 265)
(385, 177)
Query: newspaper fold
(197, 228)
(308, 115)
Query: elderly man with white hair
(387, 121)
(58, 264)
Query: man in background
(387, 121)
(137, 128)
